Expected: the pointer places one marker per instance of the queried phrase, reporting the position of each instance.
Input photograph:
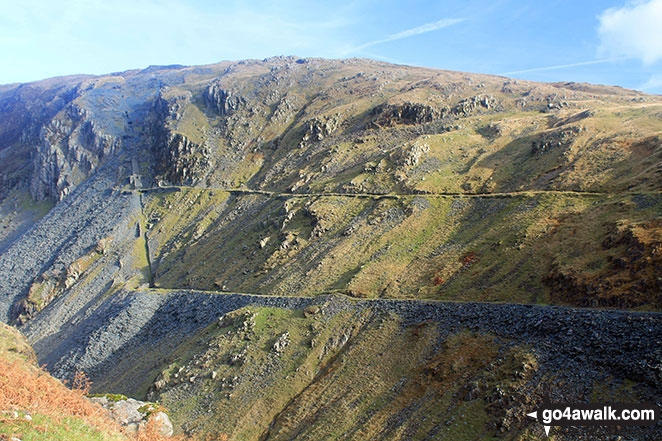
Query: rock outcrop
(71, 148)
(557, 139)
(178, 160)
(134, 415)
(181, 160)
(387, 115)
(317, 129)
(223, 101)
(475, 104)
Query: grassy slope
(354, 375)
(488, 249)
(599, 140)
(34, 406)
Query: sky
(604, 42)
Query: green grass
(45, 428)
(328, 391)
(111, 397)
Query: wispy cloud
(653, 85)
(422, 29)
(564, 66)
(634, 30)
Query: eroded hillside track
(510, 194)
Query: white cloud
(635, 30)
(653, 85)
(422, 29)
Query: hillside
(138, 208)
(330, 367)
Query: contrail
(563, 66)
(422, 29)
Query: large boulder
(133, 414)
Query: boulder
(282, 342)
(133, 415)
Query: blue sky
(607, 42)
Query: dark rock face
(558, 139)
(71, 127)
(178, 160)
(181, 161)
(27, 107)
(25, 111)
(407, 113)
(388, 115)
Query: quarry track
(341, 293)
(276, 194)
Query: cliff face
(69, 127)
(177, 159)
(297, 178)
(69, 150)
(25, 110)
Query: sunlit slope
(359, 126)
(36, 406)
(572, 174)
(340, 369)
